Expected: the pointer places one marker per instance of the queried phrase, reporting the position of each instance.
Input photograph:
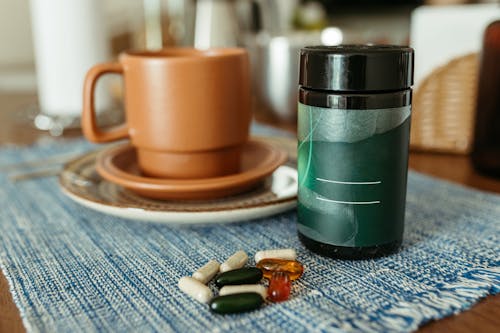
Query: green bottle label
(352, 167)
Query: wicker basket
(444, 108)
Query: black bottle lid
(356, 67)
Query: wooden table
(483, 317)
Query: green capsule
(245, 275)
(236, 303)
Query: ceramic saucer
(277, 193)
(118, 165)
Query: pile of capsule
(240, 290)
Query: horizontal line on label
(350, 202)
(348, 183)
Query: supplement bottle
(353, 131)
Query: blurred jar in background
(486, 151)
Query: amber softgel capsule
(292, 268)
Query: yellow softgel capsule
(292, 268)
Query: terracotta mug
(187, 111)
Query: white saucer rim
(177, 218)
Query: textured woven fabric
(72, 269)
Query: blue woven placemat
(73, 269)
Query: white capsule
(287, 254)
(195, 289)
(237, 260)
(205, 273)
(244, 288)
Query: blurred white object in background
(441, 33)
(215, 24)
(331, 36)
(69, 37)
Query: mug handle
(89, 125)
